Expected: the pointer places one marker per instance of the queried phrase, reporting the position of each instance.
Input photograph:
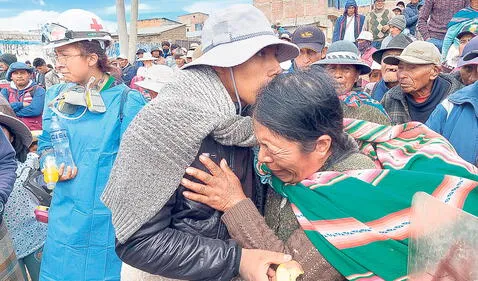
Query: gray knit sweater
(163, 140)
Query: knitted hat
(344, 52)
(398, 42)
(8, 58)
(398, 22)
(17, 66)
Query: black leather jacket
(187, 240)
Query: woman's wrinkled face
(345, 75)
(72, 63)
(287, 159)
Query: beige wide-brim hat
(233, 35)
(418, 52)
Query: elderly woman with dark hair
(340, 214)
(296, 139)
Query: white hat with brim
(236, 53)
(417, 52)
(147, 57)
(233, 35)
(151, 85)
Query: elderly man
(421, 86)
(311, 42)
(467, 73)
(128, 71)
(389, 72)
(455, 118)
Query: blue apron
(80, 242)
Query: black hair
(21, 150)
(165, 43)
(95, 47)
(301, 107)
(49, 66)
(38, 62)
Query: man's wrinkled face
(389, 72)
(306, 58)
(469, 74)
(414, 78)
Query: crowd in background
(184, 164)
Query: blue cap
(17, 66)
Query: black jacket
(187, 240)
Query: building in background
(322, 13)
(194, 24)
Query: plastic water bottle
(61, 144)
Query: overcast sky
(30, 14)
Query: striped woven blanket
(359, 220)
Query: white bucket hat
(146, 57)
(156, 77)
(233, 35)
(365, 35)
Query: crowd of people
(257, 147)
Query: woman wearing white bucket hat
(199, 113)
(80, 239)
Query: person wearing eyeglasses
(95, 108)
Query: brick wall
(154, 22)
(192, 19)
(178, 33)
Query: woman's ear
(92, 59)
(323, 145)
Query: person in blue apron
(94, 108)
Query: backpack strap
(124, 97)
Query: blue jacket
(340, 24)
(128, 72)
(379, 90)
(8, 166)
(456, 118)
(36, 105)
(80, 244)
(411, 17)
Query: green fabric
(359, 219)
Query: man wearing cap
(311, 41)
(200, 115)
(455, 51)
(421, 86)
(433, 19)
(376, 22)
(389, 72)
(25, 97)
(467, 69)
(411, 16)
(349, 25)
(397, 11)
(5, 61)
(397, 25)
(156, 52)
(128, 71)
(456, 117)
(139, 54)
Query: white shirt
(350, 29)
